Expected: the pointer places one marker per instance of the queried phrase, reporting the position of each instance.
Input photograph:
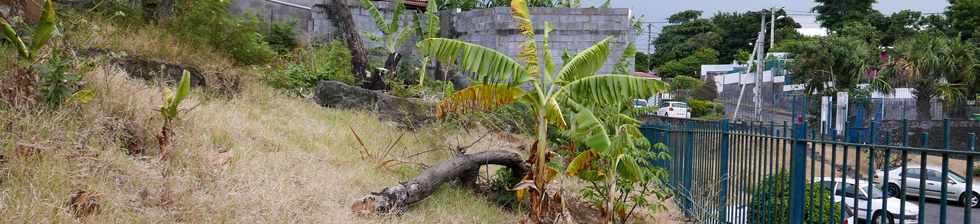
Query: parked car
(674, 109)
(955, 184)
(856, 194)
(639, 103)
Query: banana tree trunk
(339, 12)
(396, 199)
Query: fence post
(971, 146)
(798, 170)
(689, 162)
(723, 194)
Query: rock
(148, 69)
(406, 111)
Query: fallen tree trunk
(464, 168)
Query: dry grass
(260, 157)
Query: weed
(57, 83)
(315, 65)
(281, 37)
(209, 22)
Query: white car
(955, 184)
(856, 194)
(674, 109)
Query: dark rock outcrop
(406, 111)
(148, 69)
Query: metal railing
(730, 172)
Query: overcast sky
(659, 10)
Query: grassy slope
(256, 157)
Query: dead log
(396, 199)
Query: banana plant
(392, 36)
(171, 102)
(42, 33)
(537, 83)
(170, 110)
(431, 30)
(613, 157)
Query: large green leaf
(45, 28)
(403, 38)
(379, 20)
(490, 66)
(628, 168)
(612, 89)
(432, 14)
(396, 15)
(586, 63)
(590, 130)
(11, 35)
(549, 63)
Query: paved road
(954, 211)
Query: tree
(681, 40)
(935, 66)
(499, 78)
(840, 61)
(738, 30)
(684, 16)
(964, 16)
(393, 36)
(339, 12)
(690, 65)
(861, 30)
(833, 14)
(642, 62)
(901, 25)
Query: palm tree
(935, 66)
(502, 80)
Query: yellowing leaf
(478, 98)
(83, 96)
(581, 162)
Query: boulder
(149, 69)
(406, 111)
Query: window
(957, 177)
(848, 190)
(679, 105)
(828, 185)
(913, 173)
(933, 175)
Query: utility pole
(649, 38)
(757, 97)
(772, 25)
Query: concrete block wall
(276, 11)
(575, 30)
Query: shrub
(57, 83)
(770, 202)
(708, 91)
(281, 37)
(208, 22)
(702, 108)
(319, 63)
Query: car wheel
(882, 217)
(894, 190)
(972, 202)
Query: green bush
(702, 108)
(770, 202)
(208, 22)
(332, 62)
(57, 83)
(281, 37)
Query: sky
(657, 11)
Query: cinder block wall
(575, 28)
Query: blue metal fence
(728, 172)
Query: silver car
(932, 176)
